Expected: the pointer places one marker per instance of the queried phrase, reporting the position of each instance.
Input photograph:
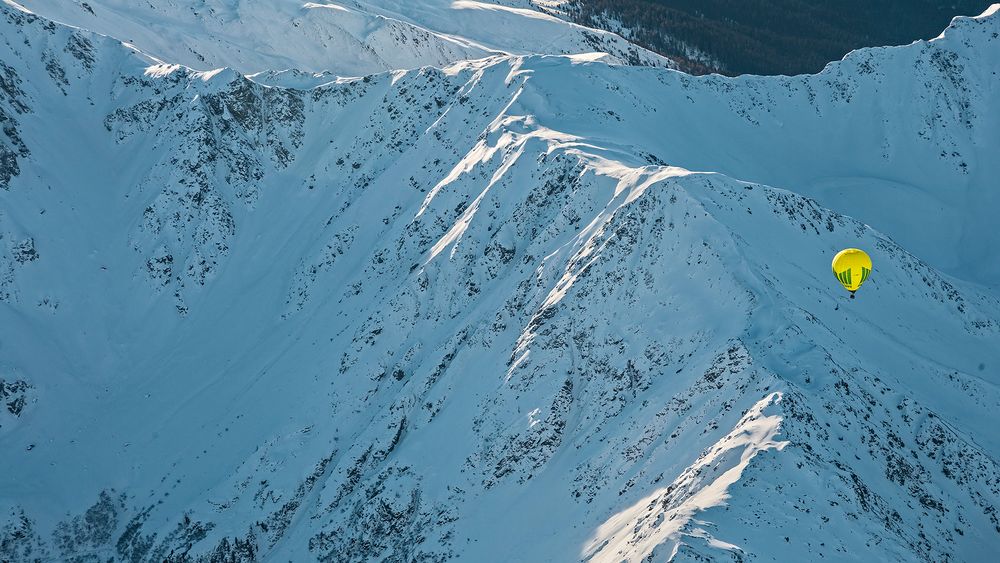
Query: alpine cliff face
(518, 308)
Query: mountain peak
(960, 23)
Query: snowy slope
(538, 308)
(347, 38)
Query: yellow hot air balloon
(852, 267)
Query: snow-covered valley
(518, 308)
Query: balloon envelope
(852, 267)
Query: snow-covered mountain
(343, 37)
(520, 308)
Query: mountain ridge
(355, 37)
(504, 316)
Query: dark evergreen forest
(771, 36)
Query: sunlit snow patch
(659, 521)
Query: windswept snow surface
(521, 308)
(342, 37)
